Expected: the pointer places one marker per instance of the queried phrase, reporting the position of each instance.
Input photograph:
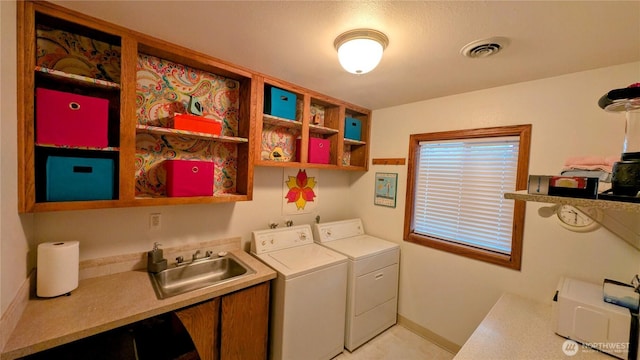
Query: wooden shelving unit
(136, 132)
(318, 116)
(121, 50)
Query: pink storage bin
(69, 119)
(319, 150)
(189, 178)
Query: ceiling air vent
(485, 47)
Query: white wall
(14, 229)
(449, 294)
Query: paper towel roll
(58, 268)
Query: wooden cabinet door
(201, 322)
(245, 321)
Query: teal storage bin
(77, 178)
(352, 129)
(279, 102)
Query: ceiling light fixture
(360, 50)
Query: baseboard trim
(429, 335)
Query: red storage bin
(70, 119)
(197, 124)
(189, 178)
(319, 150)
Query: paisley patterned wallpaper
(164, 88)
(75, 54)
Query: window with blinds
(460, 186)
(455, 192)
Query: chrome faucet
(194, 257)
(180, 259)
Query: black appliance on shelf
(625, 180)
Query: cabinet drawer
(189, 178)
(70, 119)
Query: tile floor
(397, 343)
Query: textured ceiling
(293, 40)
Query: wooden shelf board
(279, 163)
(322, 130)
(138, 201)
(110, 148)
(76, 205)
(353, 142)
(278, 121)
(76, 78)
(156, 201)
(166, 131)
(388, 161)
(353, 168)
(292, 164)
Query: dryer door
(376, 288)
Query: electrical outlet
(155, 221)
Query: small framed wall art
(385, 189)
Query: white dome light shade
(360, 51)
(360, 56)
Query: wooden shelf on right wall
(620, 218)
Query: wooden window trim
(512, 261)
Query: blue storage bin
(352, 129)
(76, 178)
(280, 103)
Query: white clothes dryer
(372, 290)
(308, 296)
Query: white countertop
(520, 328)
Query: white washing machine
(308, 297)
(372, 290)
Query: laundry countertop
(518, 328)
(108, 302)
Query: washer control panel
(336, 230)
(264, 241)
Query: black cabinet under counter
(161, 337)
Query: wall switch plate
(155, 221)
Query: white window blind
(459, 191)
